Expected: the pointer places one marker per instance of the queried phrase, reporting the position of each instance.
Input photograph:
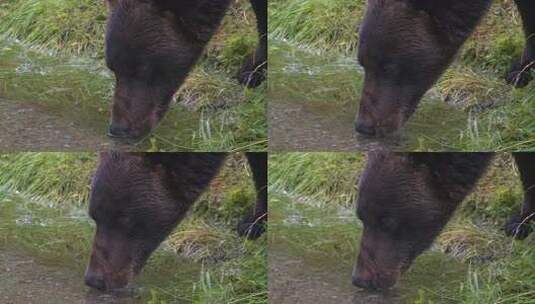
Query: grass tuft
(320, 24)
(323, 177)
(58, 178)
(75, 27)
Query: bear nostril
(359, 282)
(365, 129)
(95, 281)
(118, 132)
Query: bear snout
(95, 280)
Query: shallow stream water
(313, 101)
(312, 251)
(43, 254)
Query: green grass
(500, 116)
(231, 130)
(53, 187)
(321, 24)
(322, 177)
(61, 179)
(500, 270)
(74, 27)
(231, 116)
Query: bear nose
(94, 280)
(364, 129)
(116, 131)
(362, 283)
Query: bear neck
(201, 23)
(454, 175)
(457, 19)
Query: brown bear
(405, 45)
(406, 199)
(152, 45)
(137, 199)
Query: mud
(31, 127)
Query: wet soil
(31, 127)
(24, 280)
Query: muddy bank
(24, 280)
(314, 101)
(306, 126)
(312, 251)
(297, 282)
(31, 127)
